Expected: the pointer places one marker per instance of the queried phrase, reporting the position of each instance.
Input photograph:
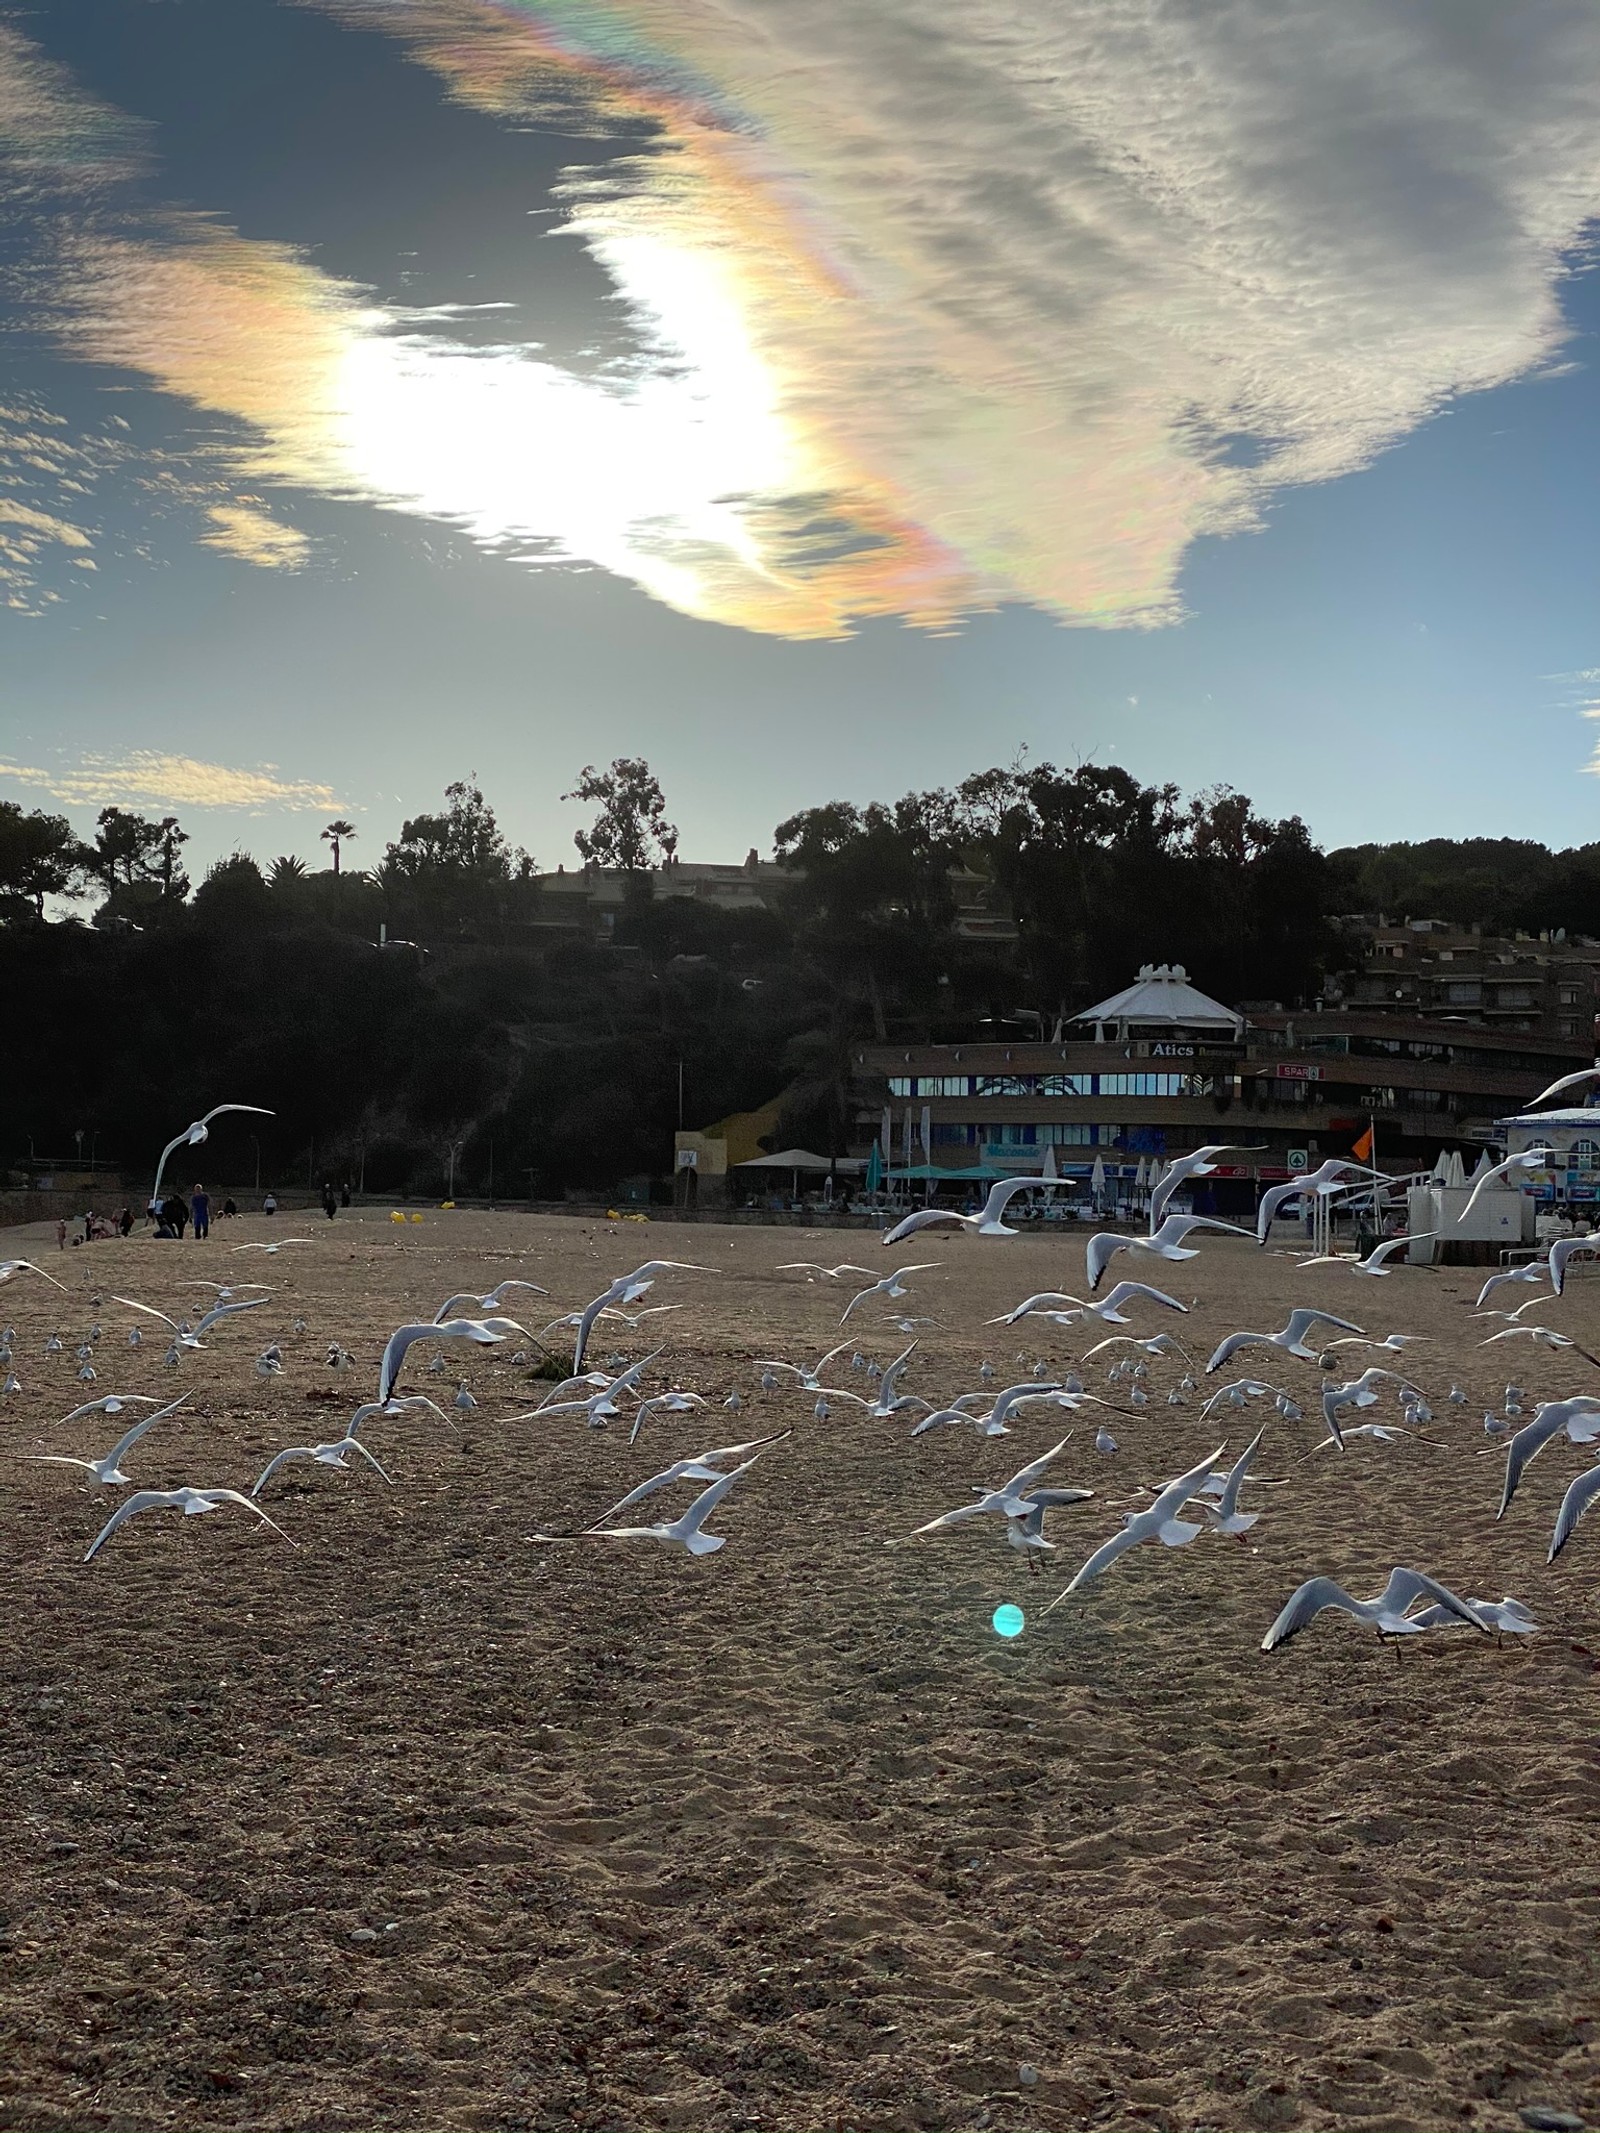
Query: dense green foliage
(551, 1057)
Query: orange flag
(1362, 1151)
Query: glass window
(902, 1085)
(1063, 1134)
(1144, 1084)
(942, 1084)
(1066, 1085)
(1003, 1085)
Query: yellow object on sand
(416, 1218)
(396, 1216)
(445, 1204)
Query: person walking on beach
(61, 1233)
(269, 1205)
(329, 1202)
(200, 1209)
(125, 1222)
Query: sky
(818, 400)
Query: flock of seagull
(1204, 1499)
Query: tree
(137, 862)
(631, 831)
(39, 856)
(124, 848)
(454, 868)
(337, 834)
(286, 871)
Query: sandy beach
(422, 1823)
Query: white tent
(1458, 1169)
(1162, 998)
(1097, 1181)
(1050, 1169)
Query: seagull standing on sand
(191, 1502)
(1159, 1521)
(1387, 1613)
(107, 1471)
(985, 1223)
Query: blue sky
(1398, 648)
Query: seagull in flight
(809, 1380)
(1505, 1617)
(1376, 1261)
(891, 1285)
(1158, 1521)
(1165, 1242)
(182, 1335)
(664, 1403)
(985, 1223)
(1021, 1502)
(1199, 1163)
(703, 1466)
(627, 1289)
(485, 1332)
(11, 1268)
(192, 1136)
(111, 1403)
(331, 1454)
(1580, 1080)
(191, 1502)
(1108, 1310)
(1577, 1500)
(397, 1404)
(1546, 1336)
(1578, 1419)
(220, 1289)
(1565, 1248)
(1224, 1514)
(825, 1273)
(107, 1471)
(1387, 1613)
(280, 1244)
(1513, 1169)
(685, 1532)
(483, 1304)
(1155, 1344)
(1292, 1338)
(1534, 1272)
(995, 1423)
(1329, 1178)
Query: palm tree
(338, 833)
(285, 871)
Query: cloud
(245, 530)
(148, 778)
(933, 309)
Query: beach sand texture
(422, 1823)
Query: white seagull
(1578, 1419)
(193, 1135)
(627, 1289)
(1387, 1613)
(1292, 1338)
(191, 1502)
(985, 1223)
(1109, 1310)
(702, 1466)
(688, 1531)
(891, 1286)
(399, 1403)
(1567, 1081)
(486, 1332)
(11, 1268)
(1021, 1502)
(182, 1335)
(1565, 1248)
(1224, 1514)
(1534, 1272)
(663, 1403)
(1158, 1521)
(331, 1454)
(826, 1273)
(107, 1471)
(1506, 1617)
(482, 1304)
(994, 1423)
(1327, 1179)
(1577, 1500)
(1165, 1242)
(810, 1379)
(1514, 1166)
(280, 1244)
(1197, 1164)
(1376, 1261)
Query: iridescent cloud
(934, 308)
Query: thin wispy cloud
(147, 778)
(933, 309)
